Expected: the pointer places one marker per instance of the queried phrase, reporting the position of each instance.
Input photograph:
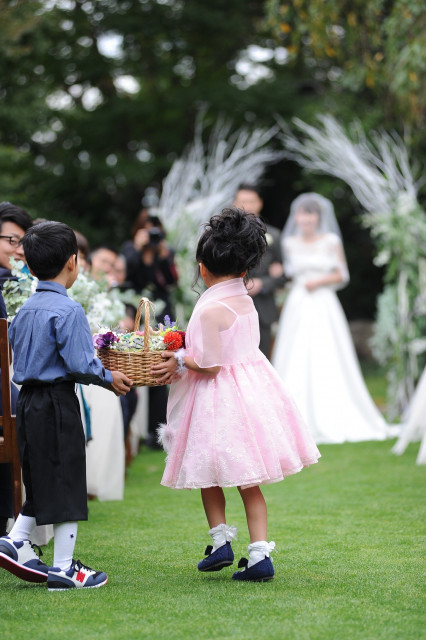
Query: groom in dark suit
(269, 275)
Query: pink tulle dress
(239, 427)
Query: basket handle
(146, 304)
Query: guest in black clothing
(268, 276)
(150, 265)
(149, 259)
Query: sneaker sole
(18, 570)
(52, 586)
(218, 566)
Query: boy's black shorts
(53, 453)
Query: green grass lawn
(348, 563)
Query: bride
(313, 351)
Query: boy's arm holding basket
(75, 345)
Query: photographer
(150, 265)
(149, 259)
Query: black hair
(246, 186)
(310, 205)
(232, 243)
(47, 247)
(155, 220)
(82, 244)
(11, 213)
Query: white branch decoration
(205, 179)
(377, 171)
(202, 182)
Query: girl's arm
(167, 370)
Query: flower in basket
(105, 340)
(167, 336)
(173, 340)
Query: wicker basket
(137, 364)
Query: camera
(155, 236)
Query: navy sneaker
(78, 576)
(260, 572)
(21, 559)
(222, 557)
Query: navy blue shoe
(21, 559)
(222, 557)
(77, 577)
(260, 572)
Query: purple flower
(167, 322)
(104, 340)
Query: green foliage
(94, 142)
(374, 48)
(400, 236)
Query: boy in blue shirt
(53, 350)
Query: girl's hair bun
(232, 243)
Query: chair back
(9, 452)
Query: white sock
(23, 528)
(65, 535)
(221, 534)
(259, 551)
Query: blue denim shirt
(51, 340)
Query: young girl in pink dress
(230, 421)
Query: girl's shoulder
(226, 309)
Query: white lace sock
(222, 534)
(65, 535)
(23, 528)
(259, 551)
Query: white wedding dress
(314, 353)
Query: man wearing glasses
(14, 221)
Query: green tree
(102, 95)
(22, 100)
(375, 49)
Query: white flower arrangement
(16, 292)
(101, 307)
